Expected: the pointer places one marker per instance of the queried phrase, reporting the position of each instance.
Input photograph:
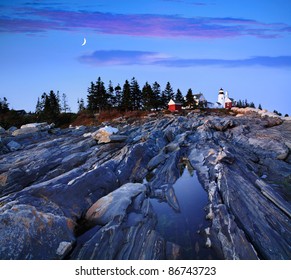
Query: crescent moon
(84, 43)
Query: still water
(184, 226)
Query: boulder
(114, 204)
(12, 129)
(103, 134)
(270, 146)
(25, 130)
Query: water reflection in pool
(182, 226)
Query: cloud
(122, 57)
(31, 20)
(130, 57)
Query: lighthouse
(221, 98)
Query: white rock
(103, 134)
(87, 134)
(208, 242)
(64, 248)
(38, 125)
(25, 130)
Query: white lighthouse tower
(221, 98)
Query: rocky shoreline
(81, 193)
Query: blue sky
(241, 46)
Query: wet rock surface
(64, 194)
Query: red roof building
(174, 106)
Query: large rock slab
(114, 204)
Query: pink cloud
(30, 20)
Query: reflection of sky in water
(181, 227)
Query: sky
(243, 47)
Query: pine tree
(91, 98)
(190, 102)
(126, 102)
(252, 105)
(179, 97)
(135, 95)
(51, 105)
(4, 105)
(38, 107)
(148, 97)
(65, 106)
(260, 107)
(97, 96)
(81, 105)
(117, 97)
(110, 95)
(101, 95)
(156, 88)
(167, 95)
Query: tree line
(132, 97)
(129, 97)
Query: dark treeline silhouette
(245, 104)
(129, 97)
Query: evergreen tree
(38, 108)
(126, 102)
(97, 96)
(65, 106)
(48, 106)
(252, 105)
(136, 95)
(91, 98)
(260, 107)
(4, 105)
(190, 102)
(110, 95)
(101, 95)
(179, 97)
(118, 96)
(148, 97)
(246, 104)
(167, 95)
(51, 105)
(156, 88)
(81, 105)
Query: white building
(223, 100)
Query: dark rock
(13, 146)
(30, 234)
(118, 138)
(157, 160)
